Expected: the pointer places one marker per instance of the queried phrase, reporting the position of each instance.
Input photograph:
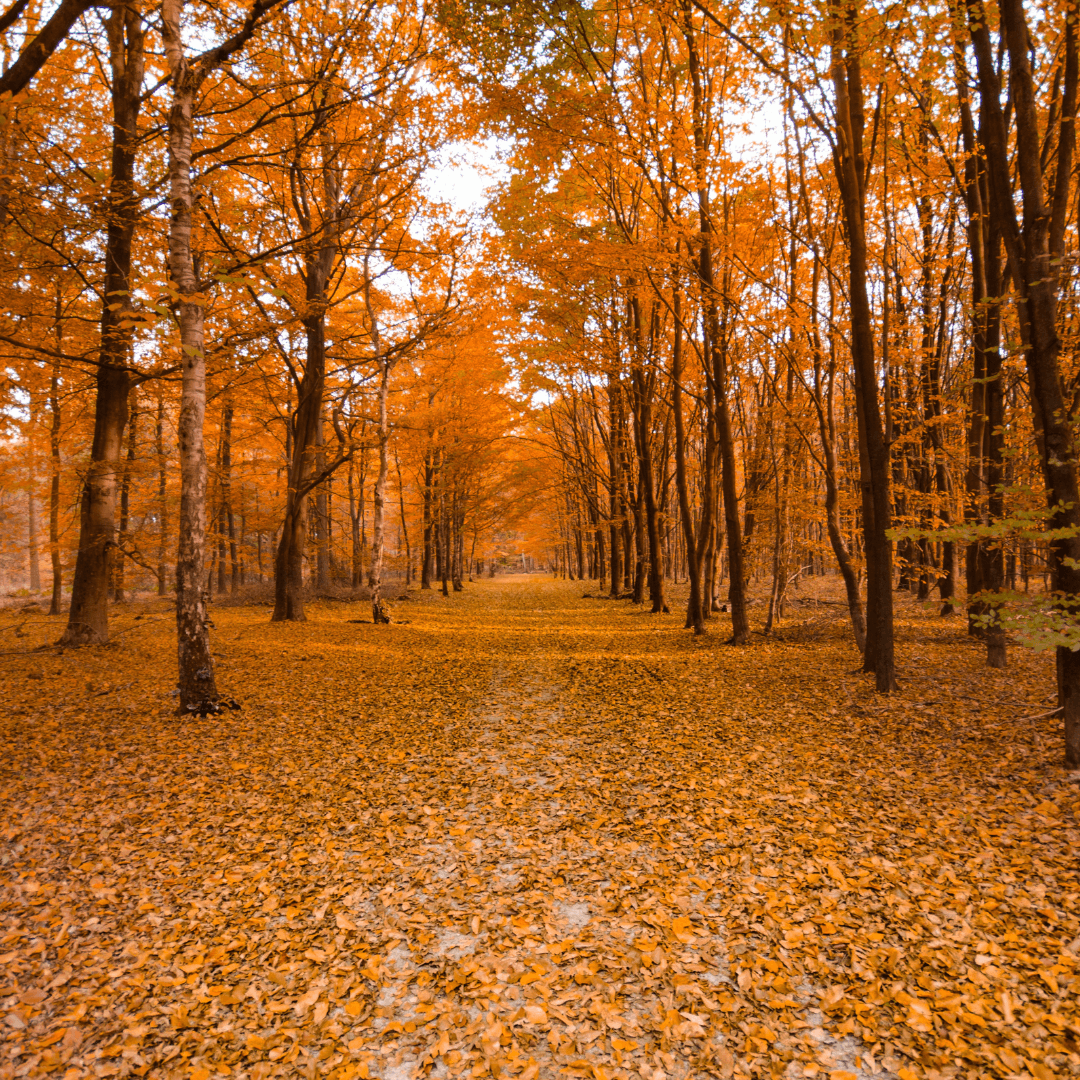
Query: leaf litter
(530, 835)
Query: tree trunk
(404, 524)
(354, 531)
(1034, 249)
(197, 685)
(378, 609)
(119, 562)
(614, 487)
(716, 345)
(851, 176)
(88, 621)
(229, 522)
(31, 511)
(695, 617)
(163, 504)
(54, 484)
(427, 565)
(288, 564)
(322, 515)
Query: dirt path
(529, 835)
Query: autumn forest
(539, 539)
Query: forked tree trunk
(288, 563)
(1034, 248)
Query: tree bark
(404, 523)
(119, 564)
(196, 683)
(54, 483)
(163, 503)
(88, 620)
(716, 347)
(850, 170)
(379, 613)
(1033, 248)
(195, 665)
(695, 617)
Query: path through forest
(530, 834)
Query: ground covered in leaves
(531, 834)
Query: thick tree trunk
(88, 621)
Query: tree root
(211, 707)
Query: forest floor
(528, 834)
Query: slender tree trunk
(322, 514)
(227, 524)
(851, 177)
(643, 428)
(428, 558)
(32, 511)
(614, 485)
(163, 503)
(198, 688)
(379, 613)
(54, 484)
(694, 615)
(354, 530)
(404, 524)
(444, 544)
(119, 561)
(716, 345)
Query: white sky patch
(466, 173)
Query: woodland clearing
(531, 834)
